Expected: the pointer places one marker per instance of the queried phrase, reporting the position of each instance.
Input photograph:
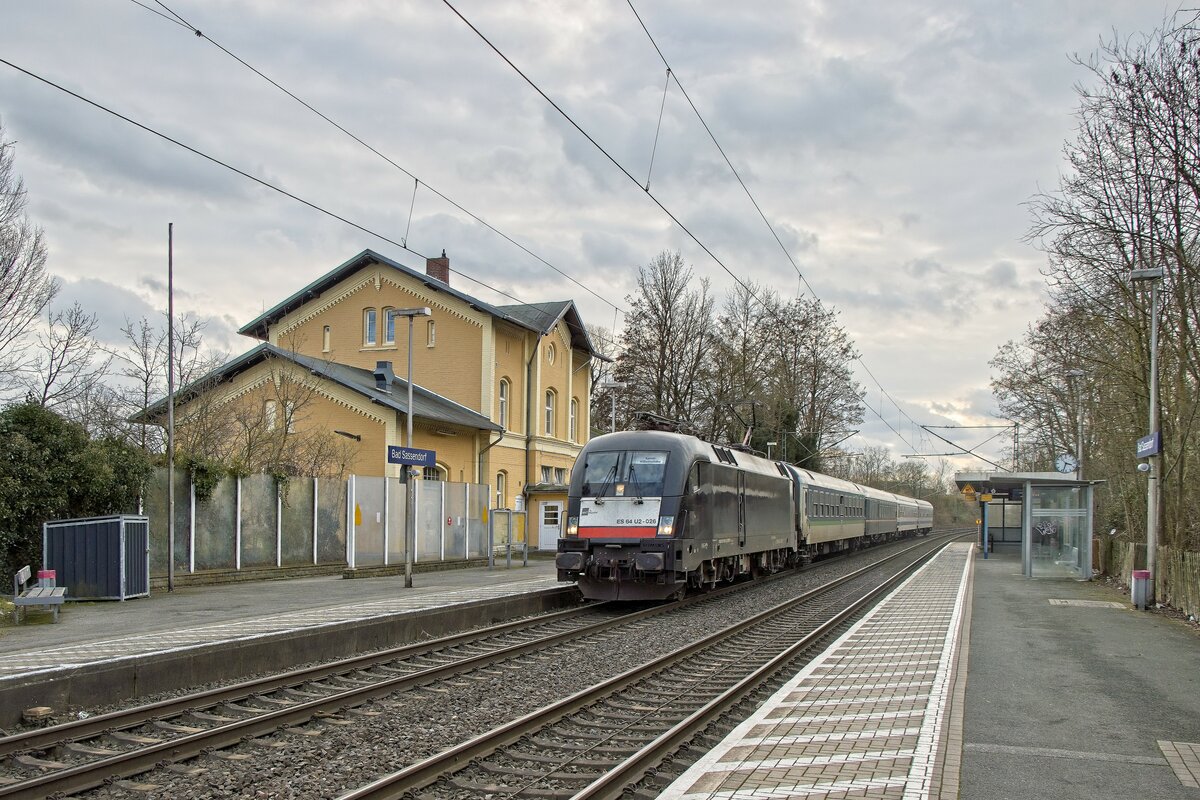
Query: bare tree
(812, 388)
(666, 340)
(25, 287)
(1129, 200)
(144, 365)
(67, 363)
(742, 362)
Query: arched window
(550, 412)
(325, 337)
(370, 333)
(435, 473)
(573, 421)
(501, 489)
(271, 414)
(503, 401)
(430, 333)
(389, 326)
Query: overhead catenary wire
(603, 151)
(176, 18)
(261, 182)
(672, 75)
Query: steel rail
(428, 771)
(97, 725)
(94, 773)
(615, 781)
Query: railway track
(298, 706)
(79, 755)
(76, 756)
(605, 739)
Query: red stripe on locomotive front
(600, 532)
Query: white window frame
(504, 391)
(501, 489)
(326, 339)
(370, 327)
(573, 421)
(430, 333)
(271, 414)
(550, 402)
(389, 325)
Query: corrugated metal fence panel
(137, 548)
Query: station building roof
(427, 405)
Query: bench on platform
(26, 595)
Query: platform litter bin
(1139, 587)
(99, 558)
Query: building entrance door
(549, 525)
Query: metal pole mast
(410, 533)
(170, 406)
(1152, 492)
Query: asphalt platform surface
(193, 606)
(1072, 701)
(1071, 692)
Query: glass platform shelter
(1047, 515)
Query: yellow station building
(499, 392)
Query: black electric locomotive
(652, 513)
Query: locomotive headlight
(572, 526)
(666, 526)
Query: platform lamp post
(1152, 276)
(410, 521)
(1075, 376)
(613, 386)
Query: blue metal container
(99, 558)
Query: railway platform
(972, 681)
(105, 652)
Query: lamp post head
(613, 384)
(423, 311)
(1152, 274)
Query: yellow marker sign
(985, 498)
(968, 489)
(978, 522)
(357, 514)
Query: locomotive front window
(635, 473)
(645, 473)
(600, 473)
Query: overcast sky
(890, 144)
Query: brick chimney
(439, 268)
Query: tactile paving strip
(1184, 758)
(866, 718)
(76, 655)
